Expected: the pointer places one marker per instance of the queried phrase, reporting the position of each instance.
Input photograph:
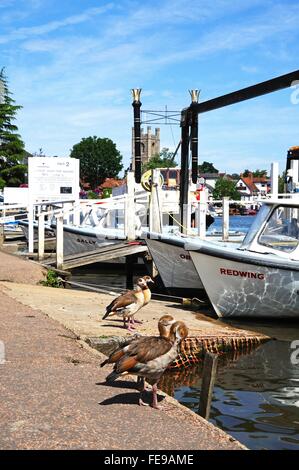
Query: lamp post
(194, 135)
(137, 137)
(189, 121)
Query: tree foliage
(256, 174)
(226, 188)
(12, 152)
(207, 167)
(99, 159)
(260, 173)
(162, 160)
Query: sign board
(16, 196)
(53, 178)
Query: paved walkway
(53, 396)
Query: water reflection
(256, 397)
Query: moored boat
(260, 278)
(175, 265)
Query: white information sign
(53, 178)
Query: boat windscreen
(281, 232)
(256, 225)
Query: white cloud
(23, 33)
(78, 83)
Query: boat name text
(87, 242)
(248, 274)
(185, 256)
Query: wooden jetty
(100, 255)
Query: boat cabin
(275, 229)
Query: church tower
(150, 145)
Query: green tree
(162, 160)
(246, 173)
(207, 167)
(260, 173)
(99, 159)
(226, 188)
(281, 182)
(12, 152)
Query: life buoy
(146, 180)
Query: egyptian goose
(146, 294)
(149, 357)
(129, 303)
(164, 324)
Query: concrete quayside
(47, 335)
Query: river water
(256, 396)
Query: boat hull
(245, 289)
(176, 268)
(49, 232)
(78, 240)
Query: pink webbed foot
(129, 326)
(130, 329)
(156, 407)
(155, 399)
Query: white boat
(84, 239)
(175, 265)
(102, 225)
(24, 224)
(260, 278)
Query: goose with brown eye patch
(129, 303)
(149, 357)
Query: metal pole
(225, 218)
(130, 207)
(274, 179)
(41, 236)
(137, 136)
(155, 214)
(59, 242)
(202, 213)
(184, 174)
(194, 135)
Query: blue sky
(71, 64)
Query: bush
(52, 280)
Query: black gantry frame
(189, 123)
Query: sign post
(51, 179)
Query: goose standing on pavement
(149, 357)
(147, 294)
(164, 325)
(127, 304)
